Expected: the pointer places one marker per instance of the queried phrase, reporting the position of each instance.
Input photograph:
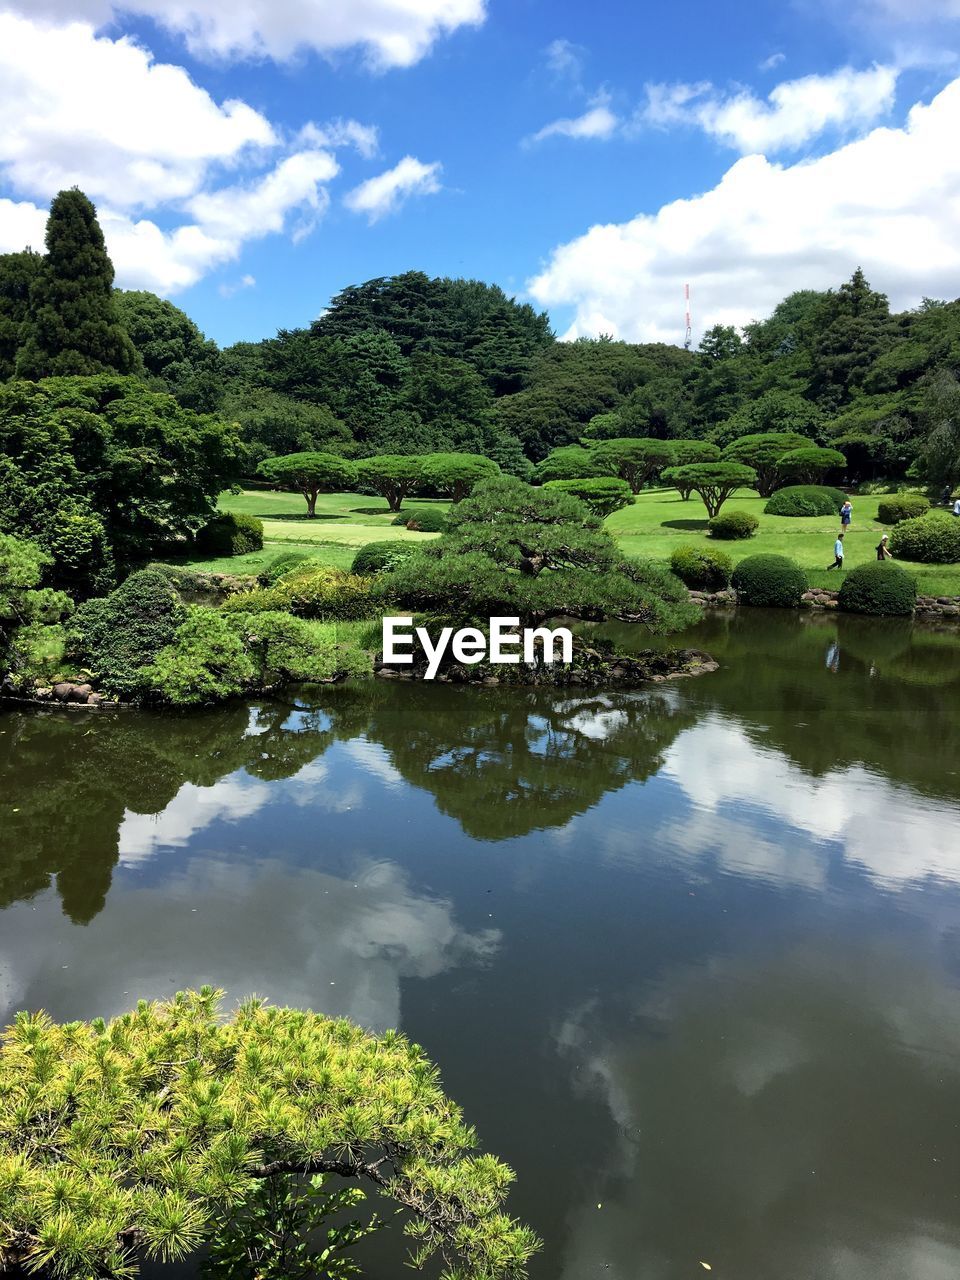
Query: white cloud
(153, 150)
(100, 114)
(597, 122)
(774, 60)
(230, 290)
(394, 33)
(564, 58)
(793, 113)
(388, 191)
(889, 201)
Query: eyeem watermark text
(505, 644)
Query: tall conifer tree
(74, 326)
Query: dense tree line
(116, 411)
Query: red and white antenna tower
(688, 336)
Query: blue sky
(518, 125)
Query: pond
(688, 956)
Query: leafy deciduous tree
(635, 460)
(393, 476)
(310, 474)
(713, 481)
(454, 475)
(762, 451)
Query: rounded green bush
(702, 569)
(285, 563)
(320, 593)
(376, 556)
(805, 500)
(929, 539)
(115, 636)
(230, 534)
(879, 588)
(423, 519)
(902, 506)
(770, 581)
(730, 525)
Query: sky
(250, 158)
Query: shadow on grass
(290, 517)
(683, 524)
(371, 511)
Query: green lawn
(657, 522)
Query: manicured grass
(657, 522)
(660, 520)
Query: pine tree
(74, 326)
(17, 274)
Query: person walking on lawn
(837, 553)
(883, 551)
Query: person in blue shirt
(837, 553)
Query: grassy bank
(657, 522)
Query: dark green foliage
(879, 588)
(805, 500)
(683, 452)
(116, 635)
(316, 592)
(73, 326)
(204, 662)
(96, 467)
(809, 465)
(773, 582)
(762, 451)
(423, 519)
(715, 482)
(284, 563)
(18, 271)
(533, 553)
(376, 556)
(230, 534)
(929, 539)
(903, 506)
(310, 474)
(730, 525)
(392, 476)
(172, 351)
(24, 603)
(572, 462)
(281, 1232)
(603, 496)
(637, 461)
(702, 569)
(229, 1104)
(284, 648)
(454, 475)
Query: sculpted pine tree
(73, 326)
(139, 1139)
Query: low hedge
(230, 534)
(323, 593)
(729, 525)
(902, 506)
(702, 569)
(929, 539)
(878, 587)
(805, 500)
(423, 519)
(376, 556)
(769, 581)
(285, 563)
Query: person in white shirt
(837, 553)
(956, 507)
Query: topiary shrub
(377, 556)
(902, 506)
(702, 569)
(205, 662)
(285, 563)
(603, 496)
(116, 635)
(321, 593)
(929, 539)
(230, 534)
(878, 588)
(769, 581)
(423, 519)
(733, 524)
(805, 500)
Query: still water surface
(689, 957)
